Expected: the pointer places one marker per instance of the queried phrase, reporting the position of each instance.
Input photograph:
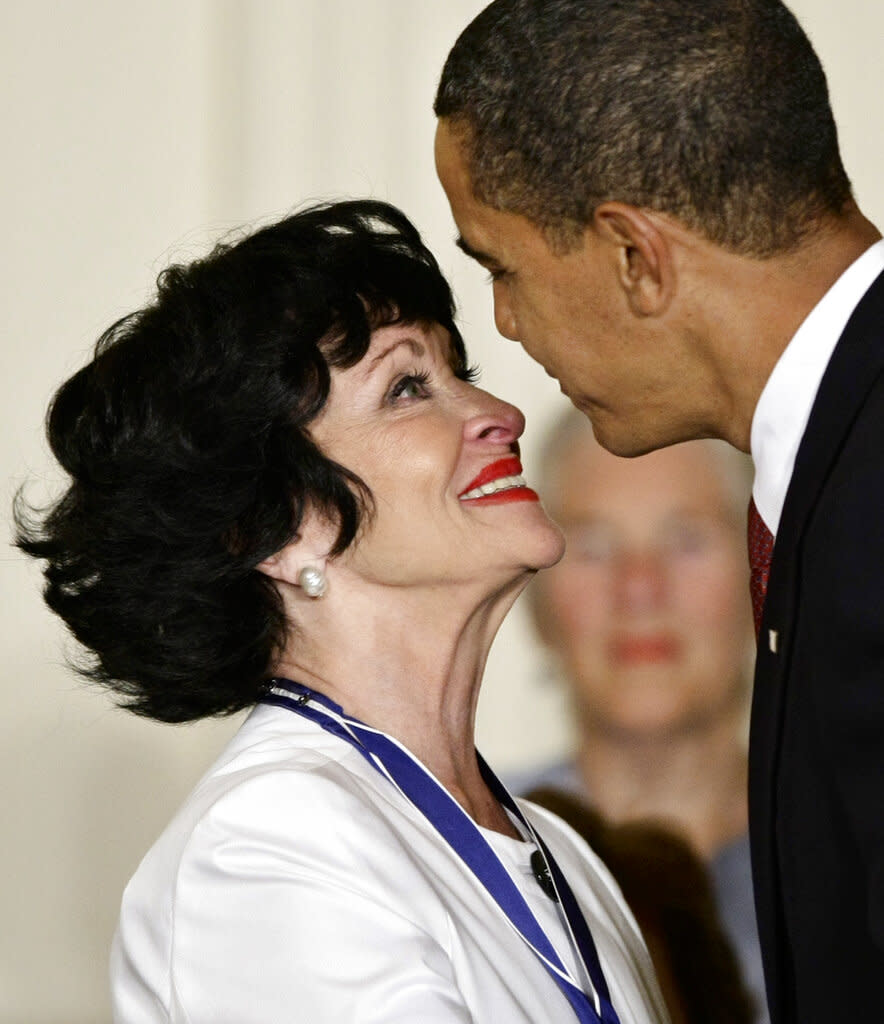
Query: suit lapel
(856, 362)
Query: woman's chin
(533, 547)
(542, 557)
(552, 549)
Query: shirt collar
(784, 407)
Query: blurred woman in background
(648, 619)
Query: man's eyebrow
(474, 254)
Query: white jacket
(296, 884)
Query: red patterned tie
(761, 543)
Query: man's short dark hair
(187, 443)
(714, 111)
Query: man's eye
(412, 385)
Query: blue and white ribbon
(422, 789)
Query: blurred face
(571, 315)
(649, 608)
(441, 460)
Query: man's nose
(504, 319)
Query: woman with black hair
(287, 492)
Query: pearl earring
(313, 581)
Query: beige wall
(132, 134)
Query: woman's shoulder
(284, 800)
(278, 774)
(288, 825)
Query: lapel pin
(773, 638)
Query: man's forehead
(452, 147)
(472, 217)
(452, 166)
(491, 236)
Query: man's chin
(597, 420)
(614, 436)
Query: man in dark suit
(656, 189)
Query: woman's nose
(494, 420)
(641, 581)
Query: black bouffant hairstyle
(187, 443)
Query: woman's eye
(688, 538)
(412, 385)
(686, 542)
(593, 544)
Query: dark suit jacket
(817, 740)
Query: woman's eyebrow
(416, 347)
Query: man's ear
(646, 268)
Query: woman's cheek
(714, 601)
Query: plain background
(134, 135)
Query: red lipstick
(500, 470)
(647, 650)
(509, 466)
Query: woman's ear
(646, 268)
(285, 564)
(308, 549)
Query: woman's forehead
(686, 479)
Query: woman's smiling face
(440, 457)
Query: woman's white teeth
(503, 483)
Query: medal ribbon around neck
(422, 789)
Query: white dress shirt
(784, 407)
(297, 884)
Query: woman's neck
(695, 782)
(411, 665)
